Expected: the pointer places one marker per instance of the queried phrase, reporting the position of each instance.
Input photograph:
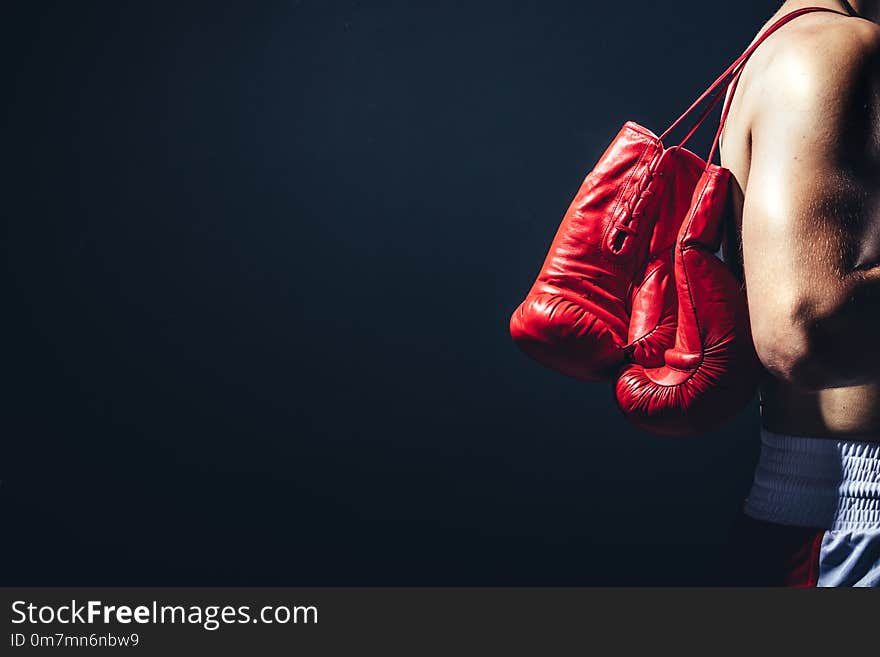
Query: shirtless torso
(803, 143)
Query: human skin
(803, 144)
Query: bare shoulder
(818, 61)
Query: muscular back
(803, 143)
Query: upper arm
(813, 193)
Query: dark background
(260, 262)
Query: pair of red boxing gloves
(631, 291)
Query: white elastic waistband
(817, 482)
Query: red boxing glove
(653, 306)
(603, 263)
(712, 371)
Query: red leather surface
(575, 319)
(653, 302)
(712, 370)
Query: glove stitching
(623, 189)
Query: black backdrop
(260, 261)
